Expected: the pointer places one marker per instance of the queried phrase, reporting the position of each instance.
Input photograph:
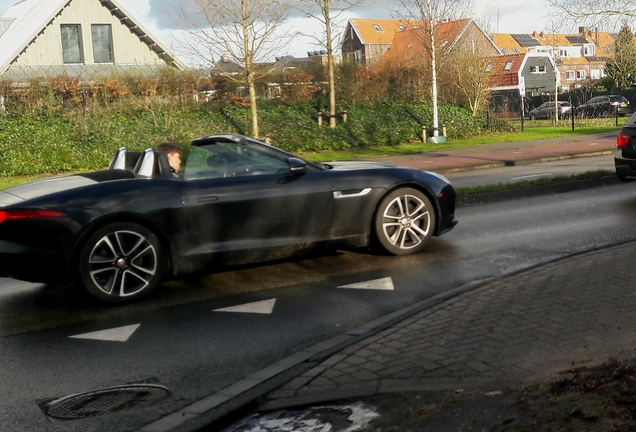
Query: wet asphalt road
(186, 346)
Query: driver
(173, 152)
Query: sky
(499, 16)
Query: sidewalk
(510, 154)
(509, 332)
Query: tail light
(28, 214)
(622, 140)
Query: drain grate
(104, 401)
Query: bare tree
(594, 12)
(433, 13)
(467, 68)
(246, 31)
(328, 13)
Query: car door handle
(207, 199)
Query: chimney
(596, 37)
(534, 34)
(542, 35)
(584, 31)
(225, 59)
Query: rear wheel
(121, 262)
(533, 117)
(404, 221)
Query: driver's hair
(168, 148)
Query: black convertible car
(118, 232)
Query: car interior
(148, 163)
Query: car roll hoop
(146, 164)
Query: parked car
(546, 110)
(119, 232)
(603, 106)
(625, 155)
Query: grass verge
(538, 182)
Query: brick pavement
(572, 312)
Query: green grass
(531, 132)
(538, 182)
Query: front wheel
(404, 221)
(121, 262)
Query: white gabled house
(79, 38)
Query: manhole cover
(104, 401)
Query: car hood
(38, 188)
(361, 165)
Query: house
(365, 40)
(580, 56)
(526, 74)
(78, 38)
(368, 40)
(448, 36)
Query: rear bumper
(625, 167)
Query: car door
(245, 204)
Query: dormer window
(588, 50)
(377, 27)
(508, 65)
(401, 27)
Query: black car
(120, 231)
(546, 110)
(625, 156)
(604, 106)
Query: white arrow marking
(260, 307)
(119, 334)
(377, 284)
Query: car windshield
(231, 159)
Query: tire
(533, 117)
(121, 263)
(404, 221)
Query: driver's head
(173, 152)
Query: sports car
(119, 232)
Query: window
(508, 65)
(377, 27)
(515, 50)
(537, 69)
(503, 51)
(102, 43)
(72, 49)
(581, 74)
(588, 50)
(401, 27)
(570, 75)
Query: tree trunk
(331, 69)
(431, 26)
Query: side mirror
(297, 166)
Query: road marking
(119, 334)
(594, 144)
(425, 162)
(530, 176)
(377, 284)
(260, 307)
(517, 152)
